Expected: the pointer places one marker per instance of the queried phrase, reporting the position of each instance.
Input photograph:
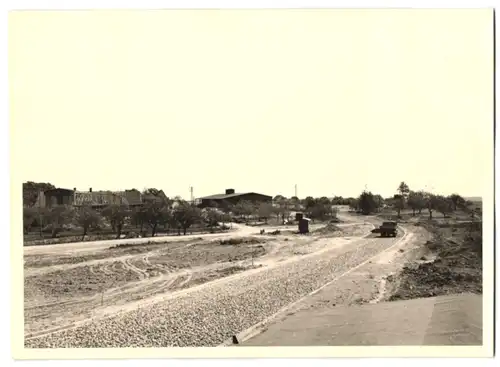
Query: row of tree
(155, 213)
(282, 208)
(417, 201)
(177, 214)
(159, 211)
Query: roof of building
(227, 196)
(59, 190)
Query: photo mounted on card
(251, 180)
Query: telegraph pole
(296, 190)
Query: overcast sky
(253, 100)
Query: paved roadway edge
(256, 329)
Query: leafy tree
(186, 214)
(29, 217)
(338, 200)
(322, 211)
(59, 216)
(31, 190)
(116, 215)
(403, 189)
(154, 194)
(87, 218)
(138, 218)
(323, 201)
(443, 205)
(416, 201)
(379, 200)
(398, 203)
(457, 201)
(155, 213)
(225, 206)
(244, 209)
(431, 203)
(309, 202)
(211, 217)
(282, 205)
(279, 199)
(353, 204)
(294, 203)
(284, 210)
(265, 211)
(366, 203)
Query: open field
(33, 238)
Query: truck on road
(387, 229)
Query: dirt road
(179, 307)
(74, 247)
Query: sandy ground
(239, 283)
(437, 271)
(369, 282)
(70, 284)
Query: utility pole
(296, 191)
(192, 195)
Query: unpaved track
(208, 314)
(46, 316)
(89, 246)
(73, 248)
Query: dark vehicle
(387, 229)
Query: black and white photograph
(236, 178)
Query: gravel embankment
(210, 315)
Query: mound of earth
(456, 269)
(329, 228)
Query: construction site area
(210, 289)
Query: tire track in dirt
(144, 301)
(28, 272)
(129, 266)
(145, 290)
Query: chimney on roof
(90, 190)
(74, 188)
(229, 191)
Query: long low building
(95, 199)
(232, 197)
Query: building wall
(133, 197)
(54, 198)
(254, 198)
